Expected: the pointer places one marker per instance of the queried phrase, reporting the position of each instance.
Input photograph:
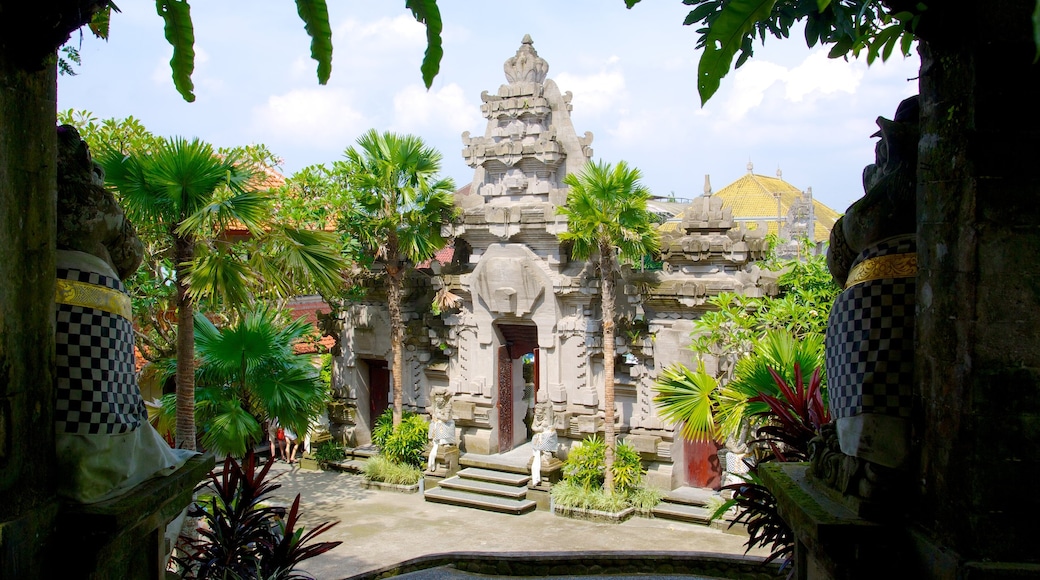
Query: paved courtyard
(381, 528)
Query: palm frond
(684, 396)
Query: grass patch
(572, 495)
(379, 468)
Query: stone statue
(442, 426)
(544, 443)
(105, 445)
(870, 332)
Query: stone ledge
(594, 515)
(397, 487)
(596, 563)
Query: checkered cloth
(97, 386)
(545, 441)
(870, 336)
(443, 432)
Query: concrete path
(382, 528)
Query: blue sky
(632, 73)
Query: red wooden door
(505, 400)
(378, 390)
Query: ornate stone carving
(526, 66)
(104, 443)
(544, 442)
(442, 426)
(870, 332)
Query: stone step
(485, 487)
(493, 463)
(494, 476)
(365, 451)
(485, 502)
(348, 465)
(694, 496)
(683, 513)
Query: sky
(632, 74)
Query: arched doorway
(519, 342)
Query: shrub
(242, 537)
(583, 479)
(406, 444)
(380, 468)
(329, 451)
(574, 495)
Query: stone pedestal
(831, 540)
(446, 463)
(552, 470)
(124, 537)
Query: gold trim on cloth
(86, 295)
(890, 266)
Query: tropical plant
(243, 538)
(792, 417)
(583, 475)
(404, 443)
(189, 195)
(248, 372)
(708, 411)
(606, 215)
(175, 187)
(397, 207)
(329, 452)
(379, 468)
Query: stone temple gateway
(509, 319)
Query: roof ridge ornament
(526, 65)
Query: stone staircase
(692, 505)
(355, 461)
(485, 489)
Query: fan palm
(606, 214)
(248, 372)
(398, 206)
(175, 186)
(194, 194)
(708, 410)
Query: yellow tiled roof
(754, 197)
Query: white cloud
(594, 94)
(416, 109)
(383, 34)
(816, 76)
(319, 117)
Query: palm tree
(399, 204)
(248, 372)
(175, 185)
(606, 214)
(708, 410)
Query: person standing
(291, 445)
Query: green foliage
(329, 451)
(748, 336)
(727, 27)
(405, 444)
(248, 372)
(379, 468)
(688, 398)
(426, 12)
(243, 538)
(315, 16)
(645, 498)
(575, 495)
(585, 466)
(606, 207)
(180, 33)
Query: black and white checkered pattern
(97, 386)
(870, 342)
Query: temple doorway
(518, 359)
(378, 390)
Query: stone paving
(382, 528)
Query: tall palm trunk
(184, 251)
(393, 299)
(606, 269)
